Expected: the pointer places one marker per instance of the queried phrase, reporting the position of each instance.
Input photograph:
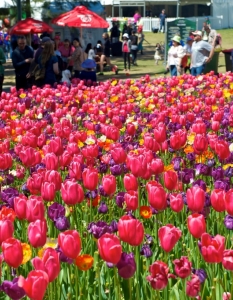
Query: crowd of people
(47, 61)
(52, 60)
(194, 54)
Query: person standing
(187, 58)
(105, 57)
(22, 57)
(48, 60)
(209, 35)
(126, 46)
(201, 53)
(136, 18)
(77, 57)
(162, 18)
(66, 51)
(134, 47)
(2, 61)
(175, 55)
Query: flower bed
(118, 191)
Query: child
(157, 56)
(66, 75)
(141, 37)
(89, 73)
(126, 46)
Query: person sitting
(89, 72)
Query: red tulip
(168, 237)
(90, 178)
(12, 252)
(75, 170)
(170, 180)
(229, 202)
(20, 206)
(110, 248)
(227, 260)
(48, 191)
(137, 164)
(212, 248)
(178, 139)
(5, 161)
(35, 284)
(195, 199)
(118, 155)
(109, 184)
(150, 143)
(131, 230)
(35, 209)
(158, 277)
(156, 195)
(65, 159)
(222, 149)
(196, 225)
(131, 200)
(130, 182)
(28, 157)
(193, 286)
(56, 146)
(156, 166)
(218, 200)
(183, 267)
(51, 161)
(215, 125)
(71, 192)
(176, 202)
(37, 233)
(49, 263)
(199, 127)
(6, 230)
(54, 177)
(200, 144)
(160, 133)
(70, 243)
(90, 151)
(130, 128)
(34, 183)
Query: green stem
(116, 283)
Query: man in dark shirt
(22, 57)
(162, 18)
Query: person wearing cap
(201, 53)
(175, 55)
(187, 58)
(126, 47)
(89, 72)
(38, 52)
(209, 35)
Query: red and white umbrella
(30, 26)
(81, 17)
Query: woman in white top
(89, 52)
(175, 55)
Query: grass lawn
(146, 64)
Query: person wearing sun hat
(175, 55)
(89, 72)
(201, 53)
(126, 48)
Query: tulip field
(118, 191)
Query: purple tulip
(120, 199)
(63, 257)
(218, 173)
(228, 222)
(146, 251)
(200, 183)
(56, 211)
(200, 273)
(103, 208)
(8, 196)
(116, 170)
(11, 289)
(62, 223)
(126, 266)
